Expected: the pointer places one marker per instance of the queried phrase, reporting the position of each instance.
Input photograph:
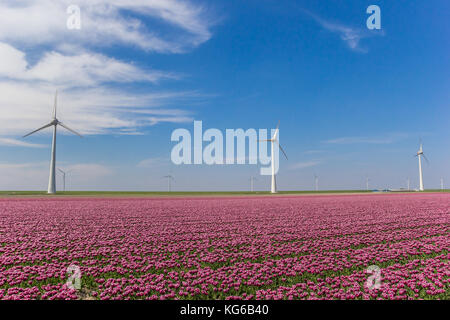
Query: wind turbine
(54, 123)
(367, 183)
(64, 178)
(442, 184)
(169, 182)
(316, 182)
(419, 155)
(272, 141)
(252, 183)
(408, 184)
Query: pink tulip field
(248, 247)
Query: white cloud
(106, 22)
(35, 175)
(19, 143)
(87, 69)
(386, 139)
(303, 165)
(15, 174)
(353, 140)
(89, 170)
(152, 162)
(39, 55)
(9, 166)
(27, 106)
(352, 36)
(313, 151)
(12, 63)
(27, 93)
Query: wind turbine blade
(71, 130)
(46, 126)
(276, 131)
(428, 162)
(281, 148)
(55, 105)
(61, 171)
(267, 140)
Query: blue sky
(352, 102)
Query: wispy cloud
(152, 162)
(18, 143)
(313, 151)
(14, 174)
(36, 174)
(107, 22)
(368, 140)
(82, 70)
(7, 166)
(101, 110)
(97, 96)
(89, 170)
(352, 36)
(303, 165)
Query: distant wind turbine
(252, 183)
(316, 182)
(272, 141)
(408, 184)
(442, 183)
(367, 183)
(169, 182)
(420, 154)
(64, 178)
(54, 123)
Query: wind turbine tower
(169, 182)
(252, 183)
(316, 182)
(442, 184)
(408, 184)
(64, 178)
(54, 123)
(274, 141)
(367, 183)
(420, 154)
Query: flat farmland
(284, 247)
